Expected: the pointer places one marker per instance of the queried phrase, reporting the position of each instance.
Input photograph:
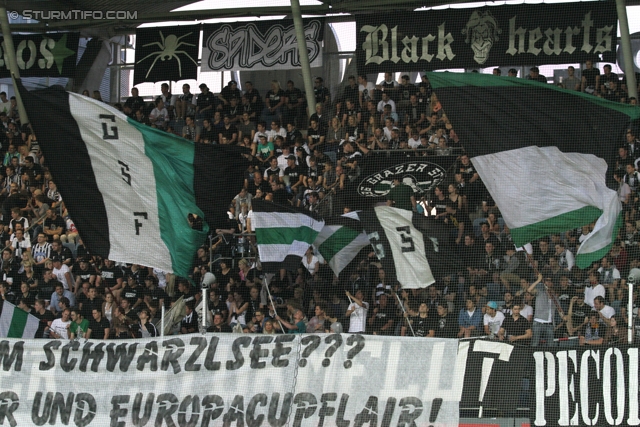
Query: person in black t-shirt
(154, 297)
(189, 323)
(99, 326)
(135, 101)
(205, 103)
(321, 93)
(93, 301)
(208, 135)
(229, 92)
(456, 222)
(53, 225)
(217, 303)
(590, 78)
(294, 106)
(44, 316)
(258, 183)
(293, 176)
(229, 132)
(516, 329)
(351, 91)
(445, 325)
(421, 322)
(383, 319)
(219, 324)
(110, 278)
(132, 291)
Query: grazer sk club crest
(420, 175)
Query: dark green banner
(43, 55)
(524, 34)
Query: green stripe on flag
(557, 224)
(337, 242)
(445, 79)
(18, 323)
(285, 236)
(173, 169)
(584, 260)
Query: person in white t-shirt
(161, 276)
(493, 319)
(593, 289)
(357, 313)
(605, 312)
(59, 328)
(414, 140)
(62, 272)
(366, 90)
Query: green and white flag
(542, 152)
(340, 241)
(17, 323)
(283, 234)
(131, 188)
(553, 203)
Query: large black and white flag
(131, 187)
(166, 53)
(399, 246)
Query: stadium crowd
(496, 291)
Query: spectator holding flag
(357, 312)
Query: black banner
(260, 45)
(524, 34)
(166, 53)
(586, 386)
(378, 169)
(43, 55)
(493, 375)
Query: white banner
(252, 380)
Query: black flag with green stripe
(542, 152)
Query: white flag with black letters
(398, 245)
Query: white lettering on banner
(633, 386)
(234, 47)
(552, 44)
(413, 48)
(27, 53)
(606, 386)
(382, 43)
(592, 389)
(503, 351)
(251, 380)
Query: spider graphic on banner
(169, 50)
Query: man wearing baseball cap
(493, 319)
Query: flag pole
(162, 321)
(265, 283)
(205, 309)
(404, 311)
(631, 284)
(10, 53)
